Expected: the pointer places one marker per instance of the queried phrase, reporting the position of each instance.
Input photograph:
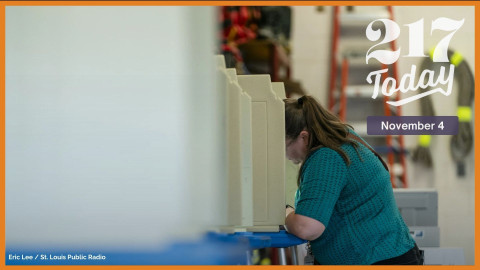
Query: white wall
(311, 31)
(113, 126)
(311, 62)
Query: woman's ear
(305, 136)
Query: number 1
(415, 39)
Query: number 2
(392, 31)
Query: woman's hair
(324, 128)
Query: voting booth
(268, 141)
(255, 151)
(239, 151)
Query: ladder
(347, 61)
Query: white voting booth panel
(268, 141)
(112, 134)
(246, 156)
(244, 103)
(255, 150)
(279, 90)
(239, 162)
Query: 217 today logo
(416, 49)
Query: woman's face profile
(296, 149)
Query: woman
(344, 203)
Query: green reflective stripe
(456, 59)
(464, 114)
(424, 140)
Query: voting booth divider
(255, 151)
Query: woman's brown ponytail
(325, 129)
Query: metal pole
(293, 250)
(282, 258)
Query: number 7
(444, 24)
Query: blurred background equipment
(256, 40)
(461, 144)
(419, 210)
